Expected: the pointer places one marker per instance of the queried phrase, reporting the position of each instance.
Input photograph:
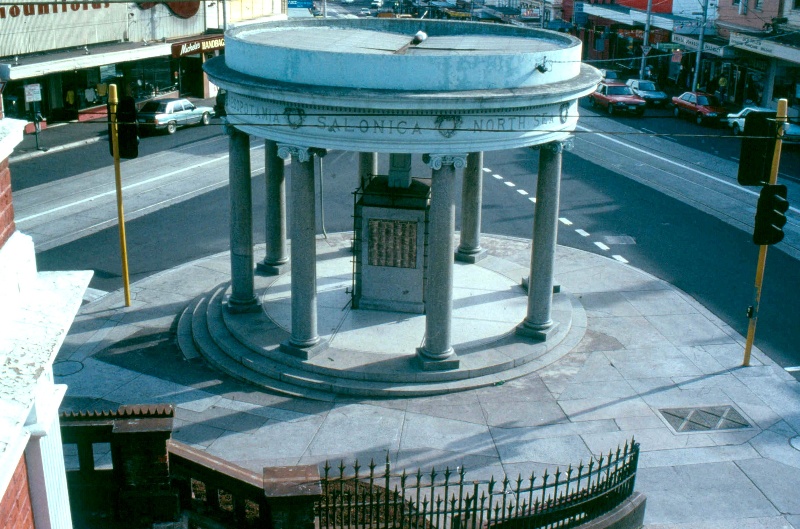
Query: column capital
(303, 154)
(437, 160)
(558, 146)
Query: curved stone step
(227, 353)
(263, 336)
(222, 361)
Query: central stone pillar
(469, 250)
(276, 259)
(538, 323)
(437, 353)
(242, 298)
(304, 341)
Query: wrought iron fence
(374, 497)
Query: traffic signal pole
(762, 252)
(113, 104)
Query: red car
(617, 97)
(704, 108)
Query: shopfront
(772, 69)
(74, 51)
(190, 55)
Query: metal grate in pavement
(703, 419)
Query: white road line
(582, 233)
(532, 199)
(128, 187)
(522, 192)
(620, 259)
(793, 369)
(601, 246)
(497, 176)
(487, 170)
(565, 221)
(667, 160)
(510, 184)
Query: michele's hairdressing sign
(27, 27)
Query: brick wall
(15, 507)
(6, 208)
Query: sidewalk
(649, 354)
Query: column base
(536, 331)
(525, 280)
(470, 256)
(235, 306)
(445, 362)
(304, 352)
(272, 269)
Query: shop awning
(81, 58)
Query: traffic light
(770, 215)
(127, 129)
(758, 148)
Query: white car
(736, 120)
(365, 12)
(791, 130)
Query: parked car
(704, 108)
(169, 114)
(617, 97)
(649, 91)
(611, 75)
(365, 12)
(791, 133)
(736, 119)
(376, 4)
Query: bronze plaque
(392, 243)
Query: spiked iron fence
(448, 500)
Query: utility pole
(646, 41)
(700, 46)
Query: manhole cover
(704, 419)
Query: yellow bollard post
(112, 104)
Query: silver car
(169, 114)
(648, 91)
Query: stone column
(469, 250)
(538, 323)
(242, 298)
(437, 353)
(276, 259)
(304, 341)
(367, 167)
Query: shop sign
(765, 47)
(33, 93)
(713, 49)
(195, 47)
(301, 3)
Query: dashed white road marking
(601, 246)
(487, 170)
(620, 259)
(522, 192)
(648, 131)
(565, 221)
(510, 184)
(532, 199)
(497, 176)
(582, 233)
(793, 369)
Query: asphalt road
(656, 192)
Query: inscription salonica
(274, 115)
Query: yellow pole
(112, 101)
(762, 252)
